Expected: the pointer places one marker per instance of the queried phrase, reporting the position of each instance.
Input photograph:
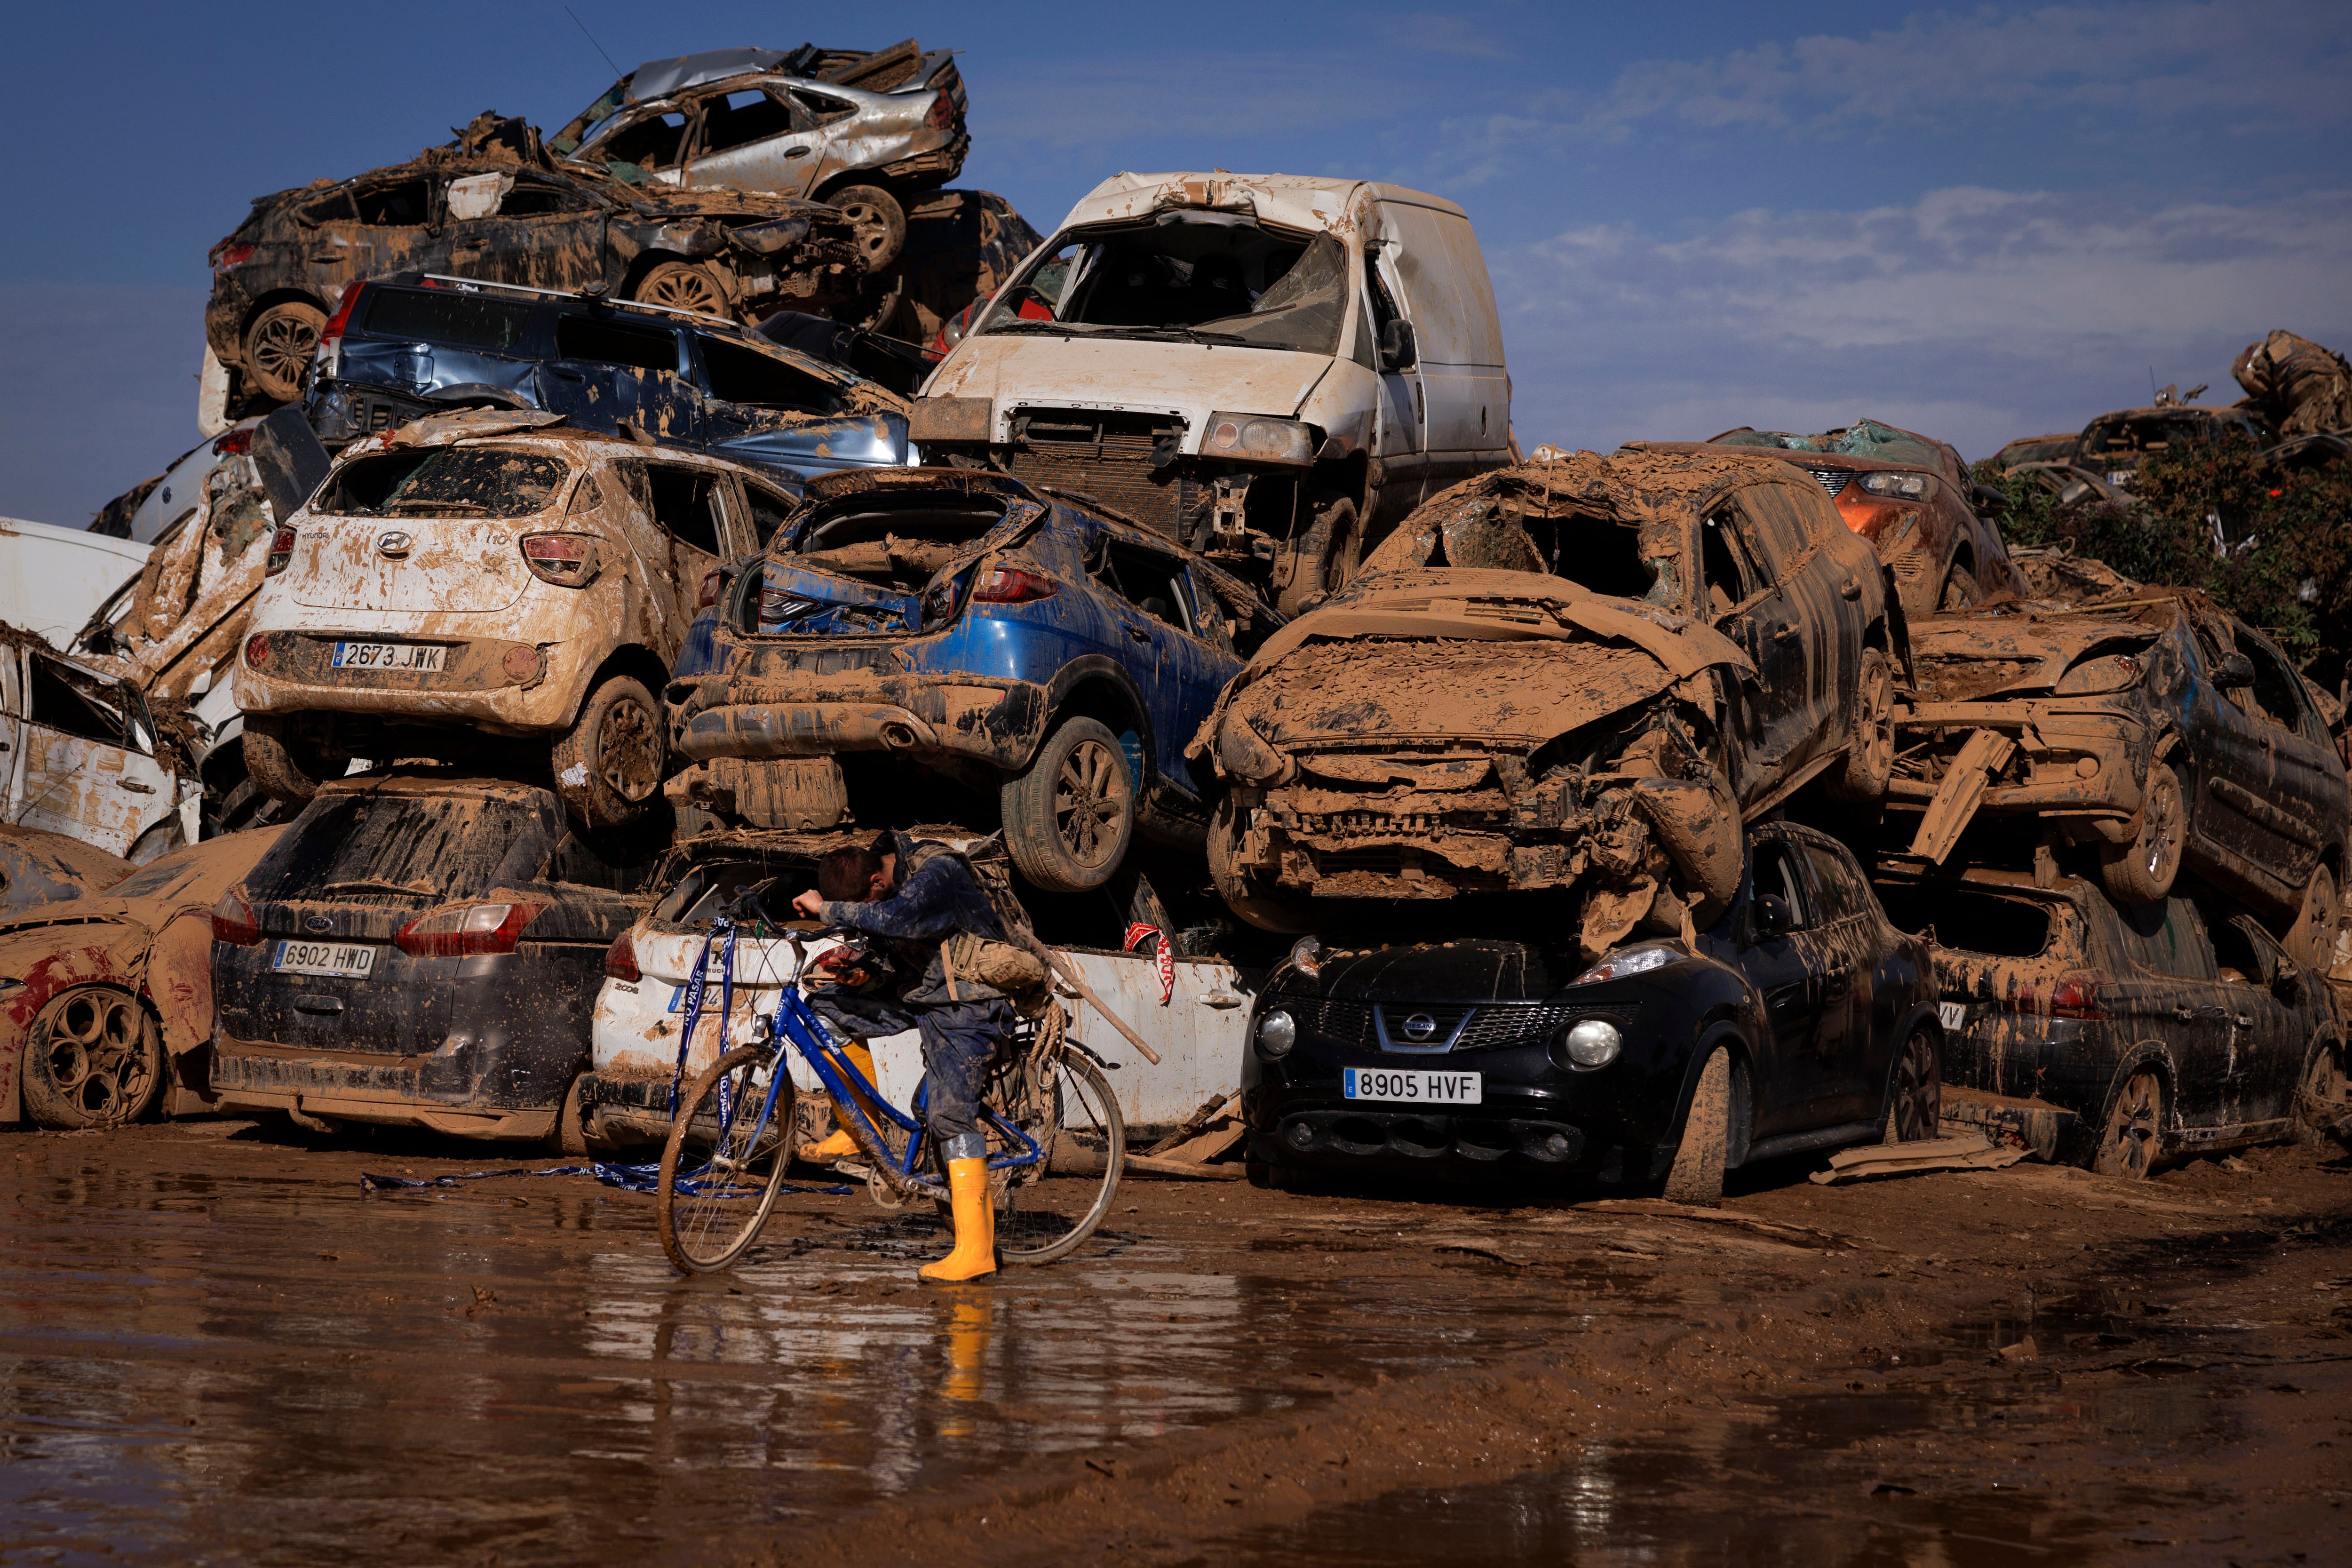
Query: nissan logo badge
(1419, 1026)
(394, 546)
(317, 922)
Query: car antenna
(617, 70)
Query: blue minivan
(400, 348)
(977, 638)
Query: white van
(1273, 368)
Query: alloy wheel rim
(686, 289)
(625, 752)
(95, 1054)
(283, 346)
(1088, 800)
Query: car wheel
(1267, 909)
(2128, 1144)
(2322, 1105)
(93, 1057)
(1070, 814)
(608, 764)
(571, 1139)
(2311, 941)
(1917, 1104)
(282, 764)
(1324, 557)
(1869, 762)
(1696, 1174)
(683, 286)
(2141, 871)
(879, 221)
(278, 346)
(1960, 590)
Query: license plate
(1952, 1014)
(352, 958)
(2119, 476)
(400, 655)
(1415, 1086)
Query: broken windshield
(438, 481)
(1187, 277)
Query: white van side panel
(1451, 303)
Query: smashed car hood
(1194, 380)
(2017, 648)
(1519, 656)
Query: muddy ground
(215, 1346)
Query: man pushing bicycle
(920, 901)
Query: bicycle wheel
(1044, 1211)
(732, 1160)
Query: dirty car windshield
(472, 481)
(427, 846)
(1204, 277)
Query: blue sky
(1981, 222)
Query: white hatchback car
(484, 572)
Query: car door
(781, 411)
(1458, 341)
(655, 140)
(2240, 810)
(688, 512)
(612, 369)
(373, 227)
(1777, 959)
(2305, 776)
(1848, 929)
(1811, 620)
(757, 139)
(89, 770)
(2262, 1051)
(1751, 609)
(1176, 670)
(522, 228)
(1399, 438)
(12, 728)
(2174, 995)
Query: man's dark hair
(846, 875)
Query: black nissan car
(1519, 1058)
(423, 950)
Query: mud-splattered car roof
(37, 868)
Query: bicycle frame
(796, 1025)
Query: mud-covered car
(495, 207)
(2134, 1033)
(1799, 1019)
(2154, 732)
(105, 1001)
(80, 754)
(2056, 447)
(946, 625)
(491, 572)
(38, 868)
(2113, 445)
(864, 129)
(1909, 494)
(410, 347)
(420, 948)
(1570, 675)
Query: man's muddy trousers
(959, 1038)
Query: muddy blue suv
(965, 648)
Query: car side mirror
(2234, 670)
(1773, 914)
(2285, 975)
(1989, 501)
(1398, 351)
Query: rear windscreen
(438, 847)
(444, 481)
(443, 317)
(698, 894)
(1971, 921)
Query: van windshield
(1187, 277)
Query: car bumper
(2066, 766)
(516, 687)
(997, 723)
(432, 1092)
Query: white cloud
(1974, 314)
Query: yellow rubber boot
(975, 1227)
(967, 1355)
(840, 1145)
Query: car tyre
(2322, 1105)
(879, 221)
(93, 1057)
(1696, 1174)
(609, 763)
(1268, 910)
(1869, 762)
(278, 346)
(282, 764)
(571, 1137)
(683, 286)
(1960, 590)
(1069, 816)
(1916, 1104)
(2141, 871)
(2311, 941)
(2134, 1125)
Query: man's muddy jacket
(936, 896)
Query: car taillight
(338, 323)
(566, 559)
(234, 444)
(227, 255)
(257, 649)
(2073, 996)
(939, 602)
(1013, 586)
(233, 921)
(463, 930)
(953, 330)
(708, 595)
(281, 550)
(942, 114)
(621, 959)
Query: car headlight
(1592, 1043)
(1307, 957)
(1276, 1032)
(1627, 960)
(1899, 487)
(2094, 676)
(1256, 438)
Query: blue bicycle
(1057, 1140)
